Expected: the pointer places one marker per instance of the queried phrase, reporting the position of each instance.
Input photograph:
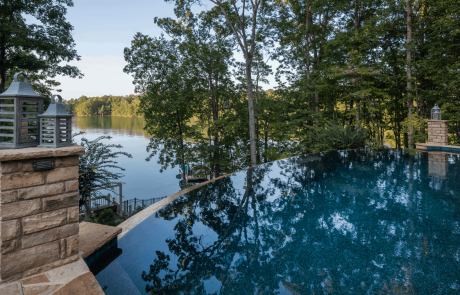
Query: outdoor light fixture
(55, 125)
(435, 113)
(19, 108)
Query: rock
(71, 186)
(20, 180)
(23, 260)
(21, 209)
(44, 221)
(62, 174)
(40, 191)
(61, 201)
(53, 234)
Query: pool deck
(74, 278)
(71, 279)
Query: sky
(102, 29)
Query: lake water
(143, 179)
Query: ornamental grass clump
(337, 137)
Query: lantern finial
(15, 77)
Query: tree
(206, 47)
(36, 48)
(245, 19)
(168, 99)
(95, 169)
(409, 65)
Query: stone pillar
(437, 132)
(438, 164)
(38, 210)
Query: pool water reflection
(350, 222)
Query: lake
(143, 179)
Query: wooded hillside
(107, 105)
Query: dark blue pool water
(353, 222)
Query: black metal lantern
(19, 108)
(55, 125)
(435, 113)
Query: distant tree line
(107, 105)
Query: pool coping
(131, 222)
(434, 147)
(94, 236)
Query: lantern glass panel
(7, 111)
(29, 122)
(48, 131)
(64, 131)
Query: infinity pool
(350, 222)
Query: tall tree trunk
(351, 109)
(215, 117)
(357, 115)
(247, 49)
(409, 72)
(421, 102)
(357, 50)
(307, 56)
(184, 176)
(265, 146)
(315, 56)
(252, 124)
(257, 116)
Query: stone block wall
(437, 132)
(38, 211)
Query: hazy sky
(102, 29)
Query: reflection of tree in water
(380, 233)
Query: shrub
(107, 217)
(338, 137)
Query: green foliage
(107, 217)
(42, 49)
(339, 61)
(108, 105)
(338, 137)
(139, 208)
(96, 168)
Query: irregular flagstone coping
(131, 222)
(73, 278)
(39, 152)
(93, 236)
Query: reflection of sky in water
(143, 179)
(272, 230)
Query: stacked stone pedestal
(437, 132)
(39, 211)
